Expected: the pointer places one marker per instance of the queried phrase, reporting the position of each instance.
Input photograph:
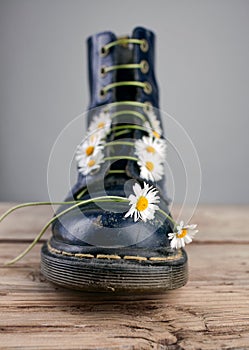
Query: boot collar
(96, 60)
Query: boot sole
(102, 274)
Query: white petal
(171, 235)
(143, 216)
(132, 199)
(192, 233)
(187, 239)
(147, 212)
(152, 198)
(137, 190)
(181, 242)
(136, 216)
(180, 226)
(129, 212)
(173, 243)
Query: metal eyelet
(144, 46)
(103, 71)
(147, 106)
(104, 51)
(102, 93)
(144, 67)
(147, 88)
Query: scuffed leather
(91, 226)
(107, 227)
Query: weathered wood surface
(211, 312)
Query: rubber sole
(110, 275)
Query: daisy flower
(143, 202)
(89, 147)
(183, 236)
(91, 163)
(151, 168)
(151, 146)
(153, 127)
(101, 124)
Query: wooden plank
(23, 224)
(214, 305)
(211, 312)
(217, 223)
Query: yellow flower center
(156, 134)
(182, 234)
(91, 163)
(142, 203)
(89, 150)
(149, 166)
(101, 125)
(150, 149)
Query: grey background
(202, 68)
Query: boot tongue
(124, 55)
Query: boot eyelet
(144, 46)
(147, 106)
(103, 71)
(102, 93)
(144, 67)
(104, 51)
(147, 88)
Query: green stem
(122, 132)
(114, 143)
(127, 103)
(123, 41)
(31, 205)
(123, 66)
(81, 193)
(124, 83)
(38, 237)
(135, 113)
(116, 172)
(168, 217)
(120, 157)
(128, 126)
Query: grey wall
(202, 67)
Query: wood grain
(211, 312)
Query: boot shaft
(105, 61)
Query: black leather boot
(122, 236)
